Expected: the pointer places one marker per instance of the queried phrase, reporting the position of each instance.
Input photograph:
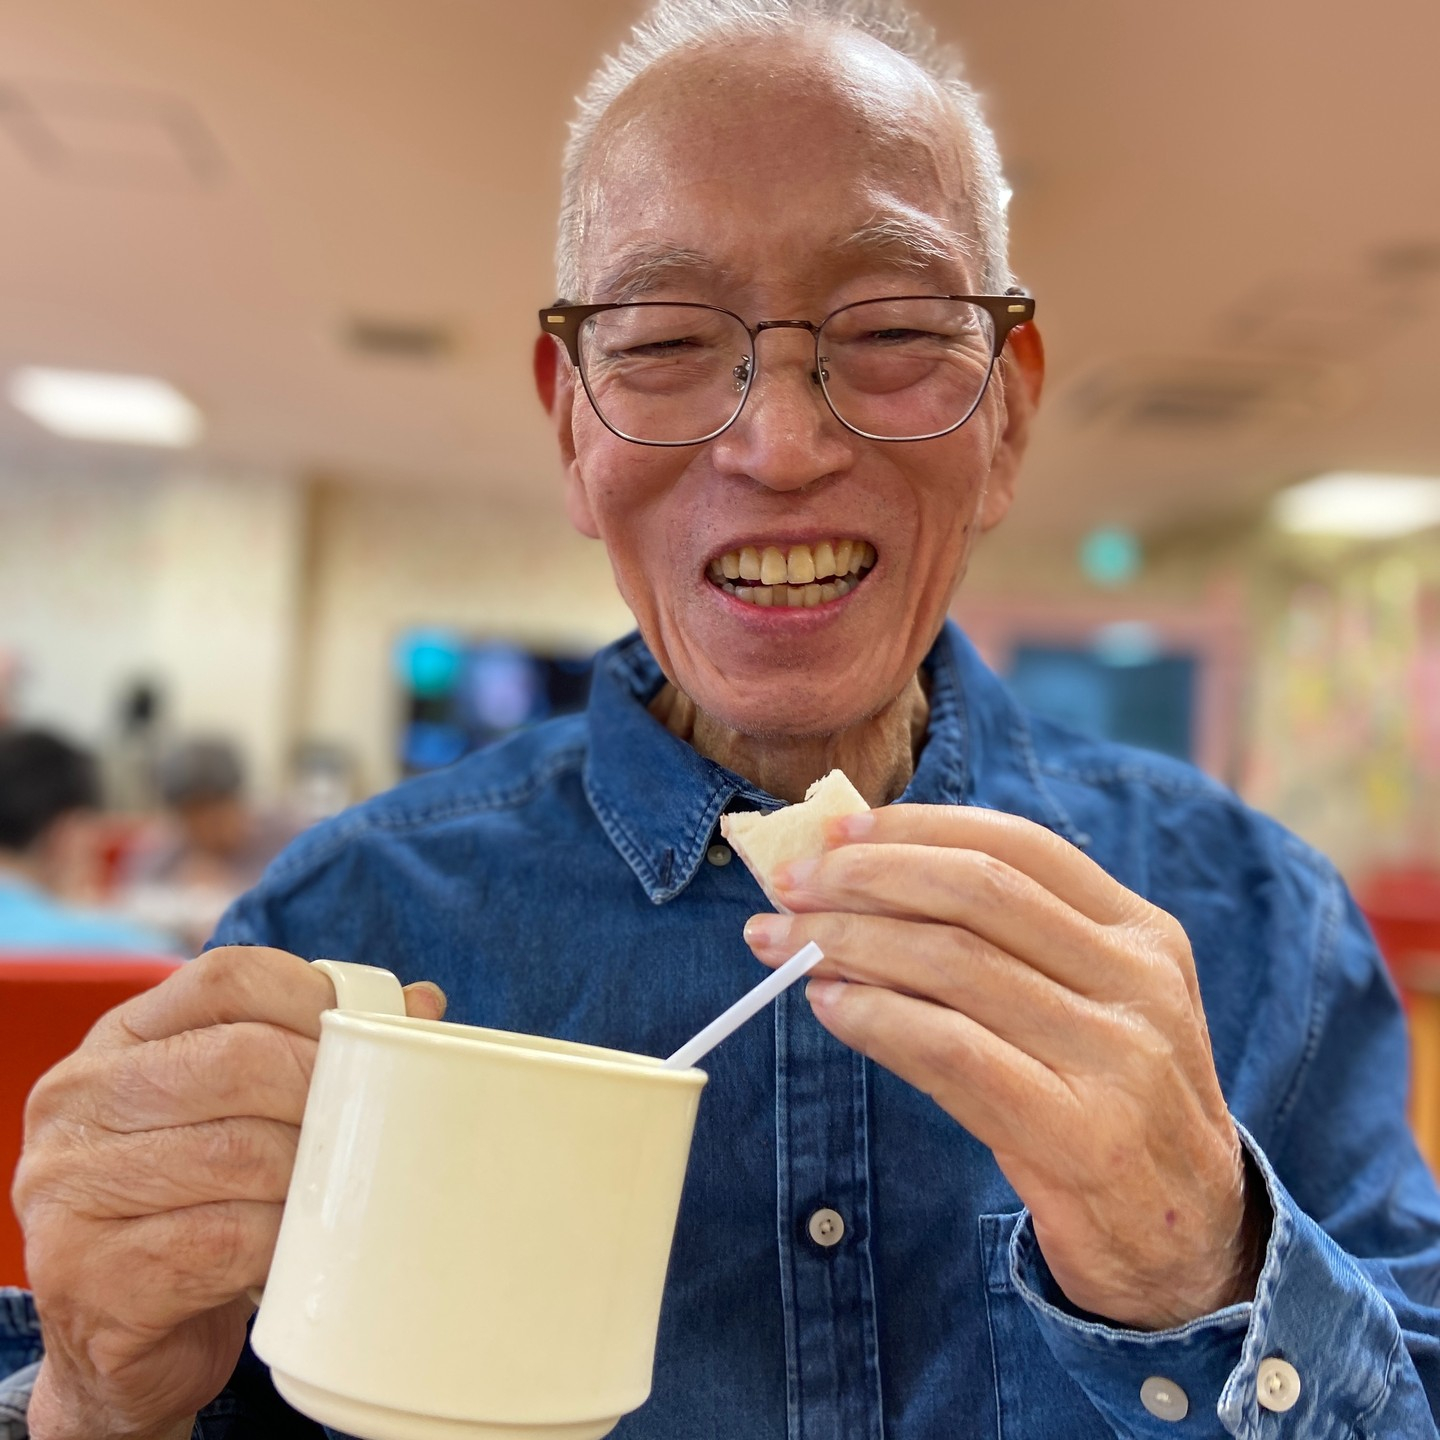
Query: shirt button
(826, 1227)
(719, 854)
(1164, 1399)
(1277, 1383)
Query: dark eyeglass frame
(1007, 312)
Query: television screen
(1140, 699)
(460, 694)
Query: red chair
(47, 1005)
(1403, 908)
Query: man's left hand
(1054, 1014)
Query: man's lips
(792, 576)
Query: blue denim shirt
(564, 883)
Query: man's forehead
(837, 144)
(849, 86)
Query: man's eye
(660, 347)
(898, 336)
(656, 346)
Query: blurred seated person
(212, 847)
(49, 791)
(9, 685)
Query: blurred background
(279, 518)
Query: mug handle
(366, 988)
(363, 987)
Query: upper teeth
(794, 565)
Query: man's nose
(786, 436)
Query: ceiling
(1230, 215)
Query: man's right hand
(155, 1167)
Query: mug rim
(509, 1044)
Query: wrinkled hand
(1056, 1015)
(155, 1167)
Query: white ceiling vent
(109, 134)
(1206, 398)
(1337, 318)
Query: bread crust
(796, 832)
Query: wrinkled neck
(879, 754)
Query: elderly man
(1093, 1125)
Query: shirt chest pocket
(1034, 1398)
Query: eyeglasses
(906, 367)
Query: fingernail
(823, 994)
(762, 930)
(794, 875)
(852, 827)
(439, 1002)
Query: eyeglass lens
(894, 369)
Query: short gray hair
(671, 26)
(199, 771)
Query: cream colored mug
(477, 1229)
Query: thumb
(425, 1000)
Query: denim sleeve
(1349, 1295)
(247, 1409)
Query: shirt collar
(659, 800)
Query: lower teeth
(791, 596)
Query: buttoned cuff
(20, 1351)
(1319, 1341)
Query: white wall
(223, 599)
(189, 578)
(76, 553)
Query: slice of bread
(765, 842)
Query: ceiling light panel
(110, 134)
(1359, 506)
(90, 405)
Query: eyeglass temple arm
(1013, 309)
(563, 321)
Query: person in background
(213, 846)
(131, 753)
(9, 684)
(48, 791)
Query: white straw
(800, 963)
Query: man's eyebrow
(643, 269)
(909, 242)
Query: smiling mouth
(795, 577)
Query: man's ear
(555, 385)
(1022, 370)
